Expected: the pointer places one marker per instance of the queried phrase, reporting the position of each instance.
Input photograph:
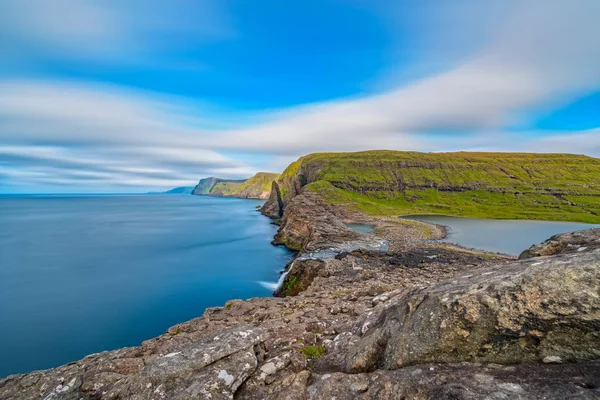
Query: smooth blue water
(83, 274)
(501, 236)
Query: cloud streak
(545, 56)
(108, 30)
(58, 132)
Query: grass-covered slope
(225, 189)
(206, 185)
(493, 185)
(257, 187)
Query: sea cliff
(256, 187)
(379, 315)
(557, 187)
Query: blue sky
(131, 95)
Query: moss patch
(313, 352)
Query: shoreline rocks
(565, 243)
(421, 320)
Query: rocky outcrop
(309, 223)
(565, 243)
(539, 310)
(273, 207)
(213, 367)
(300, 276)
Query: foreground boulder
(565, 243)
(464, 382)
(212, 368)
(539, 310)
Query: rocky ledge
(409, 320)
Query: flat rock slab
(565, 243)
(524, 312)
(464, 382)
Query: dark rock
(273, 207)
(299, 277)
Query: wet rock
(519, 313)
(565, 243)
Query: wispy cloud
(60, 132)
(544, 57)
(111, 30)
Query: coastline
(316, 340)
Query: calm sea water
(502, 236)
(83, 274)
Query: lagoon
(501, 236)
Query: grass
(259, 183)
(253, 187)
(289, 284)
(313, 352)
(225, 189)
(558, 187)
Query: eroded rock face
(273, 207)
(526, 311)
(309, 223)
(565, 243)
(302, 273)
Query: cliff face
(490, 185)
(257, 187)
(205, 185)
(225, 189)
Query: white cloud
(123, 30)
(545, 56)
(542, 56)
(66, 133)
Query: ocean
(81, 274)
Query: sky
(144, 95)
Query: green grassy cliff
(257, 187)
(225, 189)
(559, 187)
(206, 185)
